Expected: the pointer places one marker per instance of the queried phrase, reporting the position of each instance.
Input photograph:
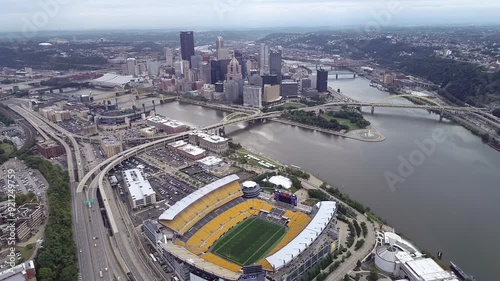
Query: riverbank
(370, 134)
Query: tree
(46, 274)
(485, 138)
(358, 264)
(496, 112)
(346, 278)
(373, 275)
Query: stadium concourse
(219, 232)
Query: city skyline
(23, 16)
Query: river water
(446, 198)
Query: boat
(461, 273)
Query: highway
(112, 255)
(87, 224)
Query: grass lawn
(294, 105)
(25, 252)
(312, 201)
(8, 148)
(352, 126)
(249, 241)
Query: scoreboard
(285, 198)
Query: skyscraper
(275, 63)
(169, 53)
(219, 43)
(234, 70)
(252, 96)
(131, 66)
(187, 45)
(264, 59)
(239, 57)
(196, 61)
(216, 71)
(322, 81)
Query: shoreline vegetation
(344, 120)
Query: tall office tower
(131, 66)
(184, 67)
(169, 53)
(264, 59)
(252, 96)
(239, 57)
(234, 70)
(206, 73)
(216, 71)
(223, 54)
(153, 67)
(224, 63)
(187, 45)
(178, 68)
(322, 81)
(275, 64)
(219, 43)
(231, 90)
(196, 61)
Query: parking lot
(170, 189)
(25, 180)
(169, 157)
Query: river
(447, 200)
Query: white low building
(140, 191)
(282, 181)
(211, 162)
(399, 258)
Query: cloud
(203, 14)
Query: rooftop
(110, 140)
(326, 211)
(428, 270)
(113, 79)
(178, 207)
(211, 161)
(138, 186)
(281, 180)
(192, 150)
(162, 120)
(48, 144)
(215, 139)
(177, 144)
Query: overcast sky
(21, 15)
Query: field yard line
(222, 246)
(261, 246)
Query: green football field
(249, 241)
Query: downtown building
(187, 45)
(322, 81)
(141, 193)
(252, 96)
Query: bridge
(237, 117)
(430, 105)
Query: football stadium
(219, 233)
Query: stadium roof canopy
(290, 251)
(178, 207)
(112, 80)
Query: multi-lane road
(94, 251)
